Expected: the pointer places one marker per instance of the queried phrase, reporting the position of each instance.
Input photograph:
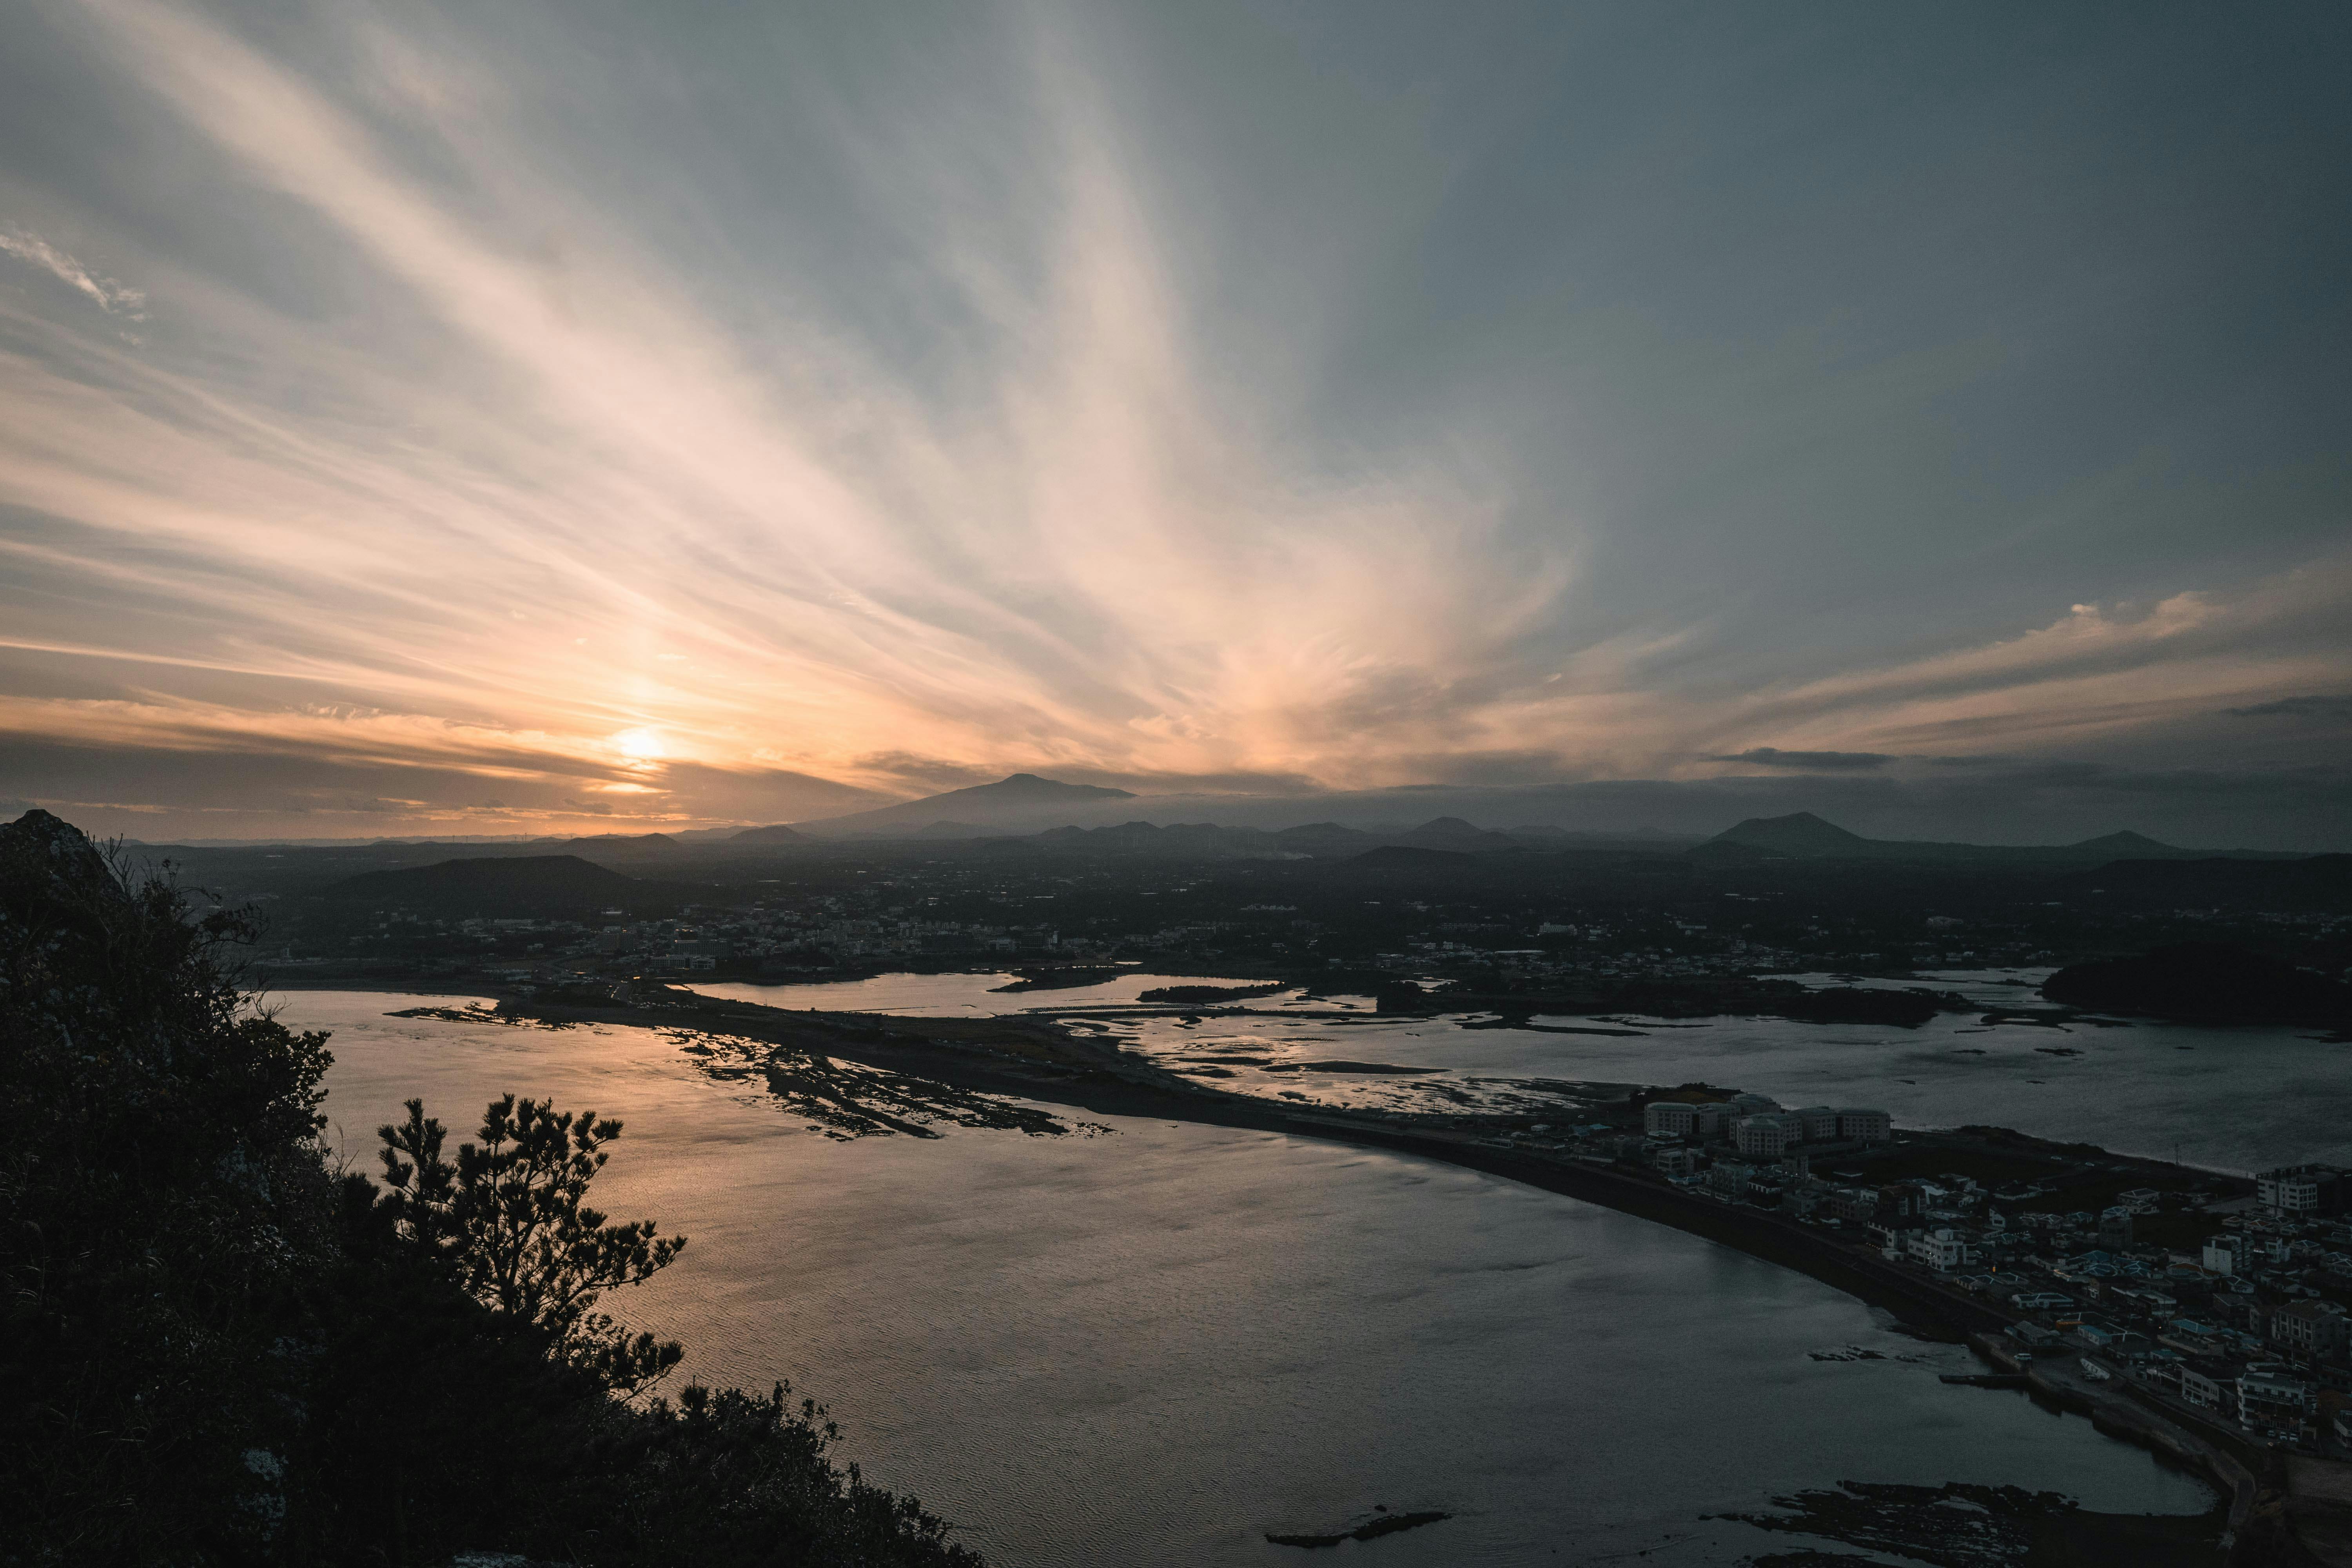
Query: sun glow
(641, 745)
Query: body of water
(2234, 1098)
(1155, 1345)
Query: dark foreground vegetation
(219, 1349)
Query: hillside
(224, 1347)
(1018, 800)
(2204, 982)
(510, 887)
(631, 844)
(2316, 882)
(1801, 835)
(775, 833)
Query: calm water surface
(1155, 1345)
(2236, 1098)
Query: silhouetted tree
(510, 1220)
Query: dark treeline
(218, 1348)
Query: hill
(614, 847)
(775, 833)
(1801, 835)
(2316, 882)
(1411, 857)
(2204, 982)
(512, 887)
(1453, 833)
(227, 1346)
(1018, 800)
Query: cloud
(114, 298)
(1809, 762)
(2297, 708)
(902, 437)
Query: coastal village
(2235, 1304)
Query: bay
(1156, 1346)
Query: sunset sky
(589, 416)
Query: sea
(1159, 1344)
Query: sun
(641, 745)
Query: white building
(2300, 1189)
(1939, 1249)
(1865, 1126)
(1761, 1137)
(1674, 1161)
(1669, 1116)
(2273, 1394)
(2226, 1254)
(1820, 1125)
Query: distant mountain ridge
(774, 833)
(630, 844)
(1801, 835)
(1017, 799)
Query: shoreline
(1030, 1057)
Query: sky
(448, 419)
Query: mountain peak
(1034, 787)
(2124, 843)
(1799, 833)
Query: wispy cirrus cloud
(2321, 707)
(883, 423)
(115, 299)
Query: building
(2309, 1329)
(1865, 1126)
(2210, 1384)
(1671, 1160)
(1815, 1124)
(1941, 1250)
(2303, 1190)
(1669, 1116)
(1761, 1137)
(1902, 1204)
(2273, 1395)
(2227, 1254)
(1856, 1206)
(1727, 1180)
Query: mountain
(512, 886)
(632, 845)
(775, 833)
(1022, 802)
(1801, 835)
(2125, 846)
(1453, 833)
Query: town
(2222, 1300)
